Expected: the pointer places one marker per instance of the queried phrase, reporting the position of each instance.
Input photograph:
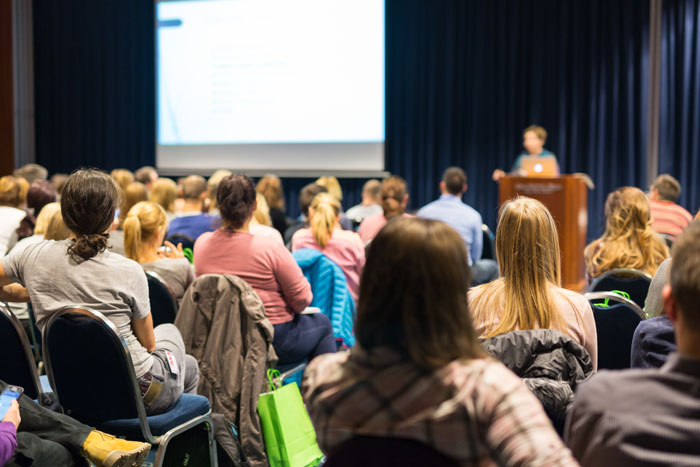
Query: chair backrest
(18, 366)
(162, 298)
(186, 240)
(615, 326)
(489, 245)
(369, 451)
(90, 368)
(635, 283)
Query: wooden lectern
(566, 197)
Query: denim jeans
(172, 385)
(303, 338)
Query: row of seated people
(236, 203)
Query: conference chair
(18, 365)
(371, 451)
(615, 325)
(91, 371)
(162, 298)
(634, 282)
(187, 244)
(489, 244)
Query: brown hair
(146, 175)
(685, 274)
(668, 188)
(40, 193)
(164, 192)
(10, 191)
(88, 202)
(135, 192)
(307, 195)
(628, 241)
(416, 303)
(373, 189)
(538, 130)
(527, 248)
(454, 179)
(236, 199)
(193, 187)
(143, 221)
(393, 194)
(271, 188)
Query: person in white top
(12, 197)
(261, 223)
(528, 293)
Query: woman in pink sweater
(343, 247)
(269, 269)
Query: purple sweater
(8, 441)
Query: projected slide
(249, 72)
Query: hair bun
(87, 246)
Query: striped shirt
(669, 218)
(476, 412)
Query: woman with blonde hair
(628, 241)
(261, 223)
(212, 186)
(270, 186)
(394, 200)
(12, 198)
(343, 247)
(122, 176)
(144, 230)
(528, 295)
(418, 371)
(164, 192)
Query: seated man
(450, 209)
(652, 416)
(371, 202)
(667, 217)
(192, 221)
(33, 435)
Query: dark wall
(464, 77)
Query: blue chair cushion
(186, 408)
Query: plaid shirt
(476, 412)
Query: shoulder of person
(609, 388)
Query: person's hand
(173, 251)
(498, 174)
(12, 415)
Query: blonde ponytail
(132, 236)
(142, 222)
(325, 214)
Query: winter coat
(223, 324)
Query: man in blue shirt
(450, 209)
(192, 221)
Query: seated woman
(269, 268)
(41, 225)
(345, 248)
(40, 193)
(81, 272)
(144, 230)
(12, 199)
(394, 200)
(135, 192)
(164, 192)
(261, 223)
(528, 293)
(417, 371)
(270, 186)
(628, 241)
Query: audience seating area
(89, 366)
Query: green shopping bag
(290, 439)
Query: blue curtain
(464, 78)
(679, 135)
(94, 83)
